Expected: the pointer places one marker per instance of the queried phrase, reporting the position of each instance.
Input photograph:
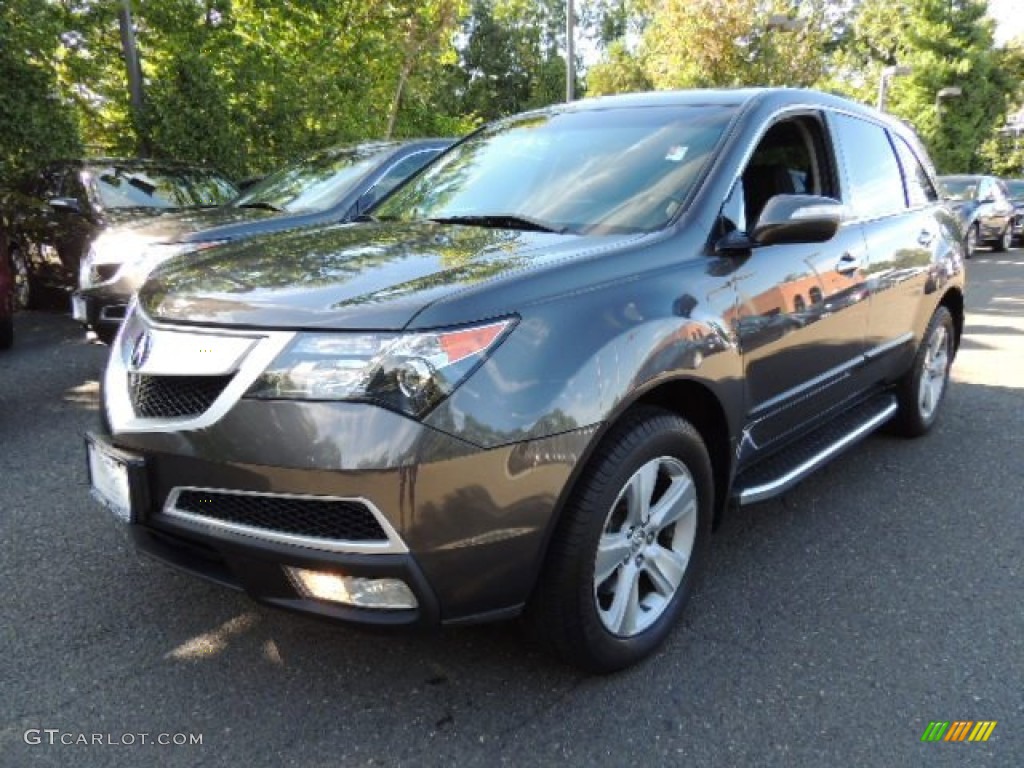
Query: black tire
(972, 241)
(566, 610)
(6, 333)
(918, 410)
(25, 293)
(106, 334)
(1005, 241)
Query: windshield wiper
(501, 221)
(263, 205)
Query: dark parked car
(983, 206)
(51, 217)
(526, 387)
(330, 187)
(6, 299)
(1015, 189)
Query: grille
(170, 397)
(315, 518)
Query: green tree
(36, 121)
(945, 43)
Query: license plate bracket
(116, 478)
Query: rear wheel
(629, 546)
(921, 390)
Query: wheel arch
(692, 400)
(953, 300)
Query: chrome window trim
(392, 546)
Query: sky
(1009, 16)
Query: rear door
(899, 212)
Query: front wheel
(971, 241)
(629, 546)
(921, 390)
(1005, 241)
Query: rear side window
(919, 187)
(874, 181)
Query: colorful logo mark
(958, 730)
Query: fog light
(387, 594)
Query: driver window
(787, 161)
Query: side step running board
(781, 472)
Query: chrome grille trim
(249, 354)
(226, 530)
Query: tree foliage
(37, 122)
(946, 44)
(248, 84)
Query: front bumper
(470, 523)
(100, 309)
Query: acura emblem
(141, 349)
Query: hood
(196, 224)
(354, 276)
(137, 216)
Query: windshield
(124, 186)
(959, 188)
(593, 171)
(316, 183)
(1016, 189)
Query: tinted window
(317, 183)
(597, 171)
(788, 160)
(919, 187)
(874, 178)
(1015, 189)
(402, 170)
(128, 186)
(959, 187)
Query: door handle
(926, 238)
(848, 264)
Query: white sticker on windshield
(676, 154)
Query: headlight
(408, 372)
(118, 255)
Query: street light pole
(131, 60)
(949, 92)
(570, 52)
(888, 73)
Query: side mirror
(798, 219)
(66, 204)
(789, 219)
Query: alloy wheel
(645, 546)
(934, 372)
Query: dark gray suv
(550, 363)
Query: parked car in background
(982, 203)
(528, 385)
(1015, 189)
(6, 299)
(51, 217)
(329, 187)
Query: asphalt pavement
(833, 624)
